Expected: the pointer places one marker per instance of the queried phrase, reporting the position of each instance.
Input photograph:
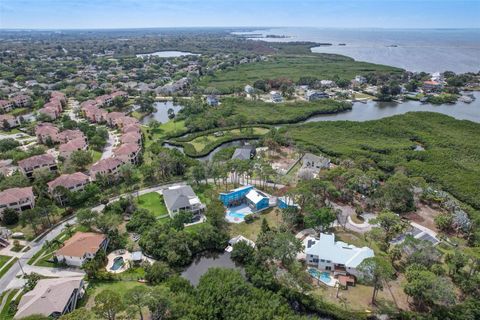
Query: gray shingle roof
(178, 197)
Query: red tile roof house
(125, 121)
(52, 109)
(104, 100)
(81, 247)
(128, 153)
(113, 118)
(65, 150)
(94, 114)
(45, 132)
(431, 86)
(68, 135)
(17, 198)
(121, 94)
(72, 182)
(59, 96)
(27, 166)
(131, 137)
(108, 166)
(6, 105)
(21, 101)
(8, 121)
(132, 128)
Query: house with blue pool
(243, 201)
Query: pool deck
(127, 256)
(242, 209)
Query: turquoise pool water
(117, 263)
(322, 276)
(237, 214)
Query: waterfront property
(120, 260)
(80, 248)
(182, 198)
(51, 298)
(243, 201)
(326, 254)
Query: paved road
(35, 247)
(108, 150)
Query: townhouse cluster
(69, 140)
(130, 140)
(54, 107)
(18, 101)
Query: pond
(373, 110)
(211, 260)
(161, 112)
(167, 54)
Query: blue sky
(56, 14)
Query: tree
(108, 304)
(320, 219)
(426, 288)
(81, 159)
(391, 224)
(285, 247)
(242, 252)
(138, 297)
(10, 216)
(78, 314)
(157, 272)
(375, 271)
(86, 218)
(397, 194)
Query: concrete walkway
(108, 150)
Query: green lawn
(321, 66)
(153, 202)
(6, 313)
(251, 230)
(96, 155)
(3, 260)
(451, 159)
(202, 142)
(7, 267)
(95, 288)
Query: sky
(93, 14)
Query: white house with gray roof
(182, 198)
(341, 258)
(51, 298)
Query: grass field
(321, 66)
(251, 230)
(95, 288)
(153, 202)
(200, 143)
(451, 159)
(3, 260)
(6, 313)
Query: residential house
(6, 106)
(65, 150)
(339, 257)
(432, 86)
(128, 153)
(43, 161)
(212, 101)
(72, 182)
(312, 164)
(286, 203)
(82, 246)
(248, 195)
(8, 121)
(19, 199)
(51, 298)
(113, 118)
(132, 128)
(249, 89)
(108, 166)
(276, 96)
(244, 153)
(68, 135)
(327, 83)
(46, 132)
(22, 101)
(131, 137)
(182, 198)
(313, 95)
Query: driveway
(108, 150)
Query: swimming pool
(117, 263)
(238, 214)
(322, 276)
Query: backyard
(251, 230)
(153, 202)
